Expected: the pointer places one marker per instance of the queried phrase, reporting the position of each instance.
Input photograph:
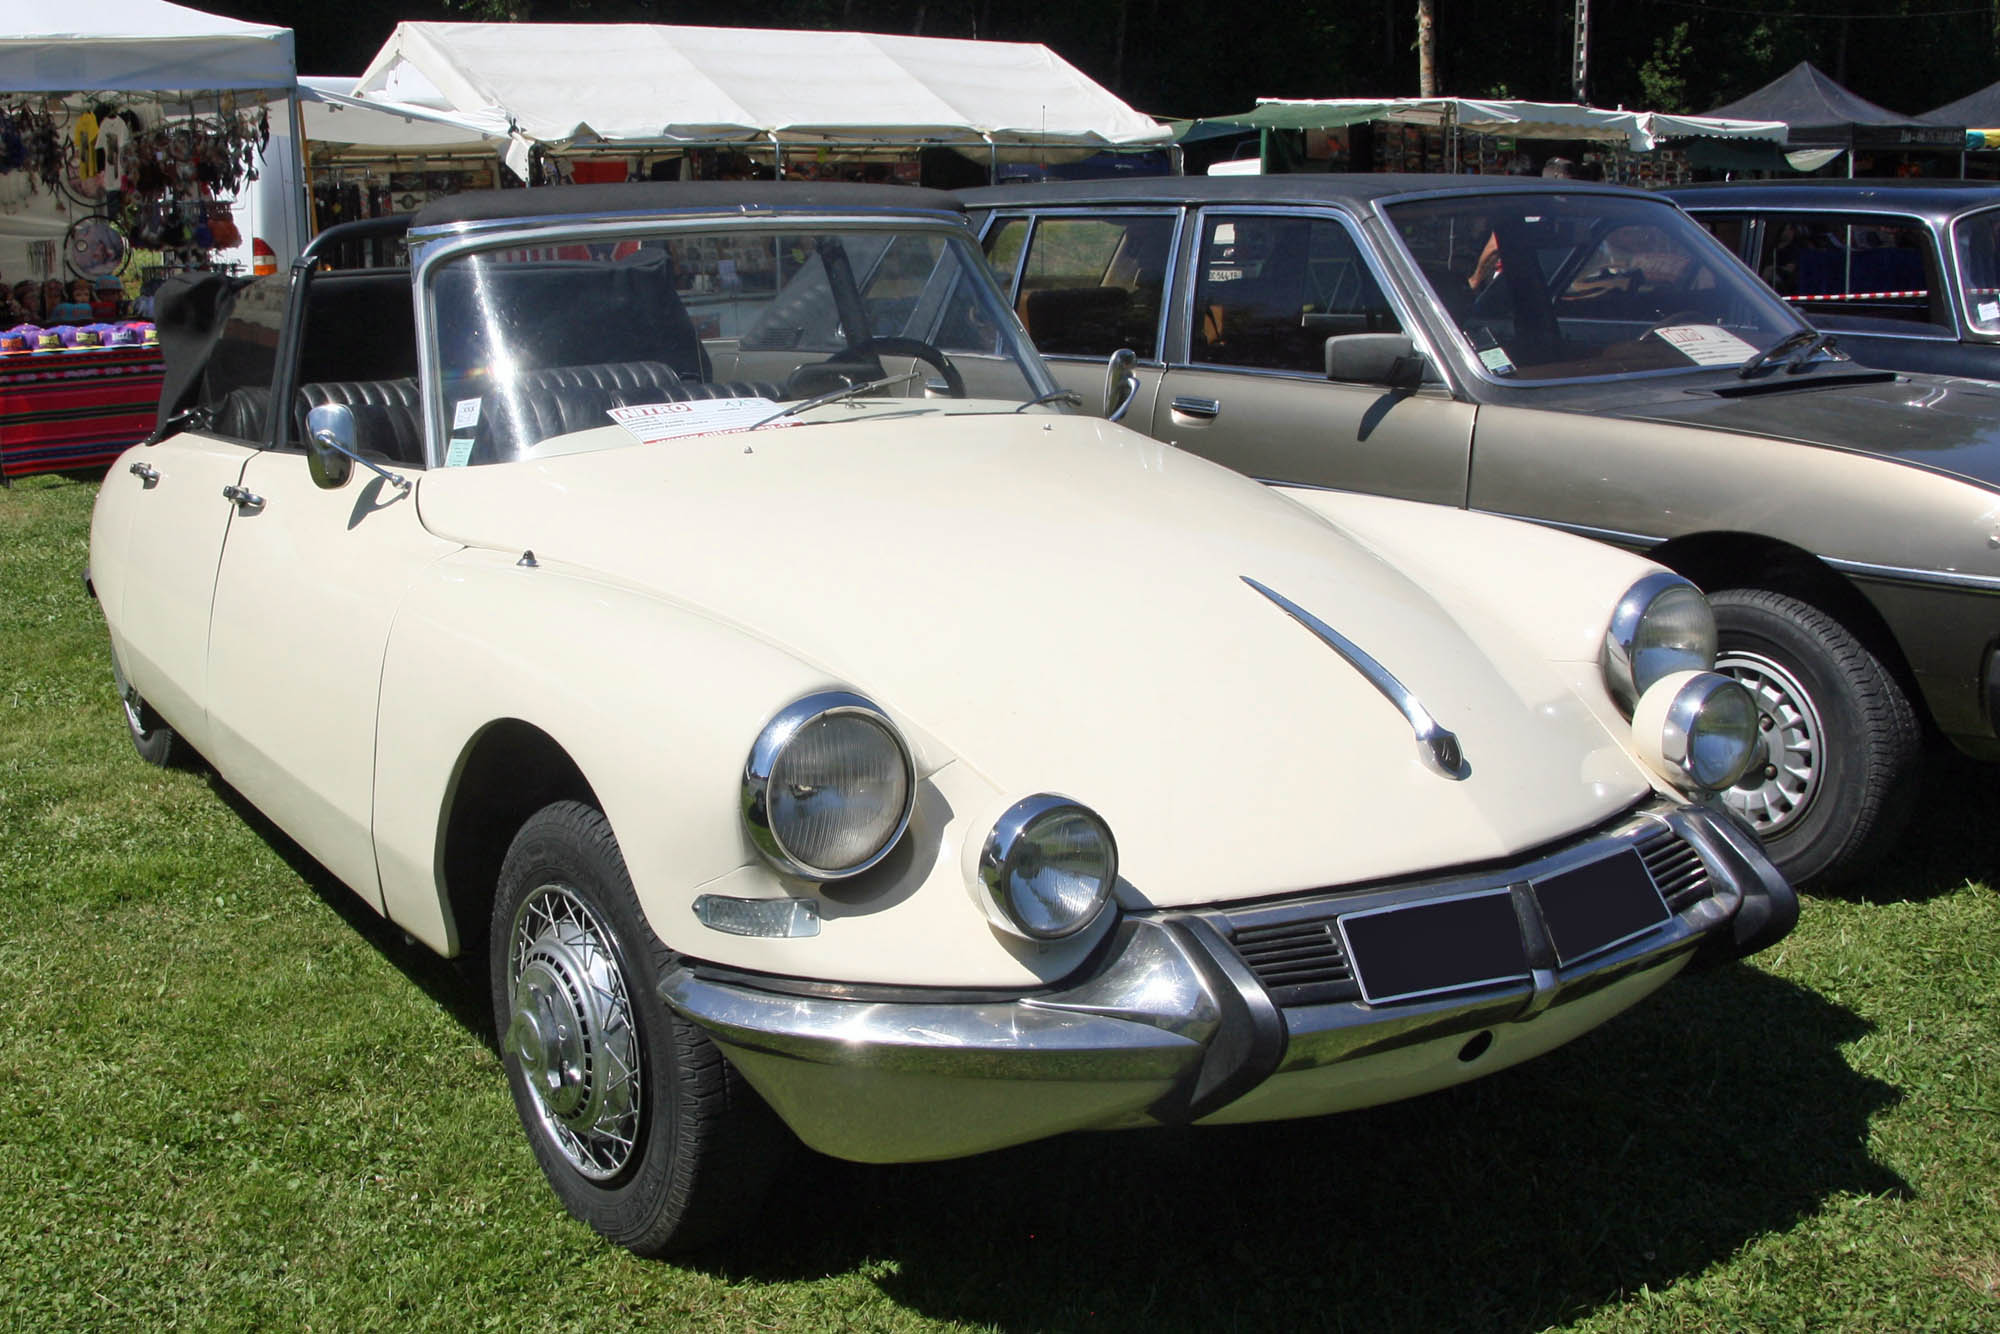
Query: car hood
(1060, 604)
(1950, 426)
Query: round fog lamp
(1047, 868)
(1704, 726)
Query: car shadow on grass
(1952, 837)
(1720, 1111)
(457, 986)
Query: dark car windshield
(1586, 285)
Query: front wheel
(642, 1128)
(1842, 747)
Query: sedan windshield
(602, 340)
(1586, 285)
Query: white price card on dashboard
(653, 422)
(1706, 344)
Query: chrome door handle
(243, 497)
(1208, 409)
(145, 472)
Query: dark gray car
(1905, 273)
(1585, 357)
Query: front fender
(657, 705)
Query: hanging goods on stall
(95, 247)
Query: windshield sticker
(465, 414)
(651, 423)
(459, 452)
(1989, 312)
(1496, 360)
(1707, 344)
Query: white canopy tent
(639, 86)
(336, 121)
(1640, 131)
(60, 47)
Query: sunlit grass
(235, 1101)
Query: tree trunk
(1426, 49)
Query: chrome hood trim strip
(1435, 743)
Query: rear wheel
(642, 1128)
(156, 742)
(1842, 747)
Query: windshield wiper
(1800, 359)
(1756, 360)
(849, 390)
(1069, 396)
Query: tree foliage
(1180, 58)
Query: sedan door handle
(145, 472)
(1207, 409)
(243, 497)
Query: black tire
(157, 743)
(1845, 744)
(569, 946)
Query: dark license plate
(1599, 905)
(1427, 948)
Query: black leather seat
(388, 415)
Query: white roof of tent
(61, 46)
(1639, 130)
(581, 83)
(336, 120)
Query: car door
(1085, 283)
(1260, 291)
(158, 536)
(308, 587)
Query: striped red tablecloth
(62, 411)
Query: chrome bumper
(1186, 1019)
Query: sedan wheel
(1841, 739)
(643, 1129)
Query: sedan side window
(1271, 290)
(1856, 266)
(1091, 285)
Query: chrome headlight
(1698, 727)
(1047, 868)
(1661, 626)
(828, 787)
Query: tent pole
(777, 157)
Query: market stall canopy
(627, 85)
(336, 121)
(1824, 115)
(138, 46)
(1638, 130)
(1978, 112)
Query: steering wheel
(954, 383)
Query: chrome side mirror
(330, 435)
(330, 449)
(1121, 383)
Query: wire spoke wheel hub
(570, 1029)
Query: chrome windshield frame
(433, 248)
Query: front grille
(1299, 963)
(1676, 868)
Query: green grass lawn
(234, 1100)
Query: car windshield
(1587, 285)
(606, 338)
(1976, 237)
